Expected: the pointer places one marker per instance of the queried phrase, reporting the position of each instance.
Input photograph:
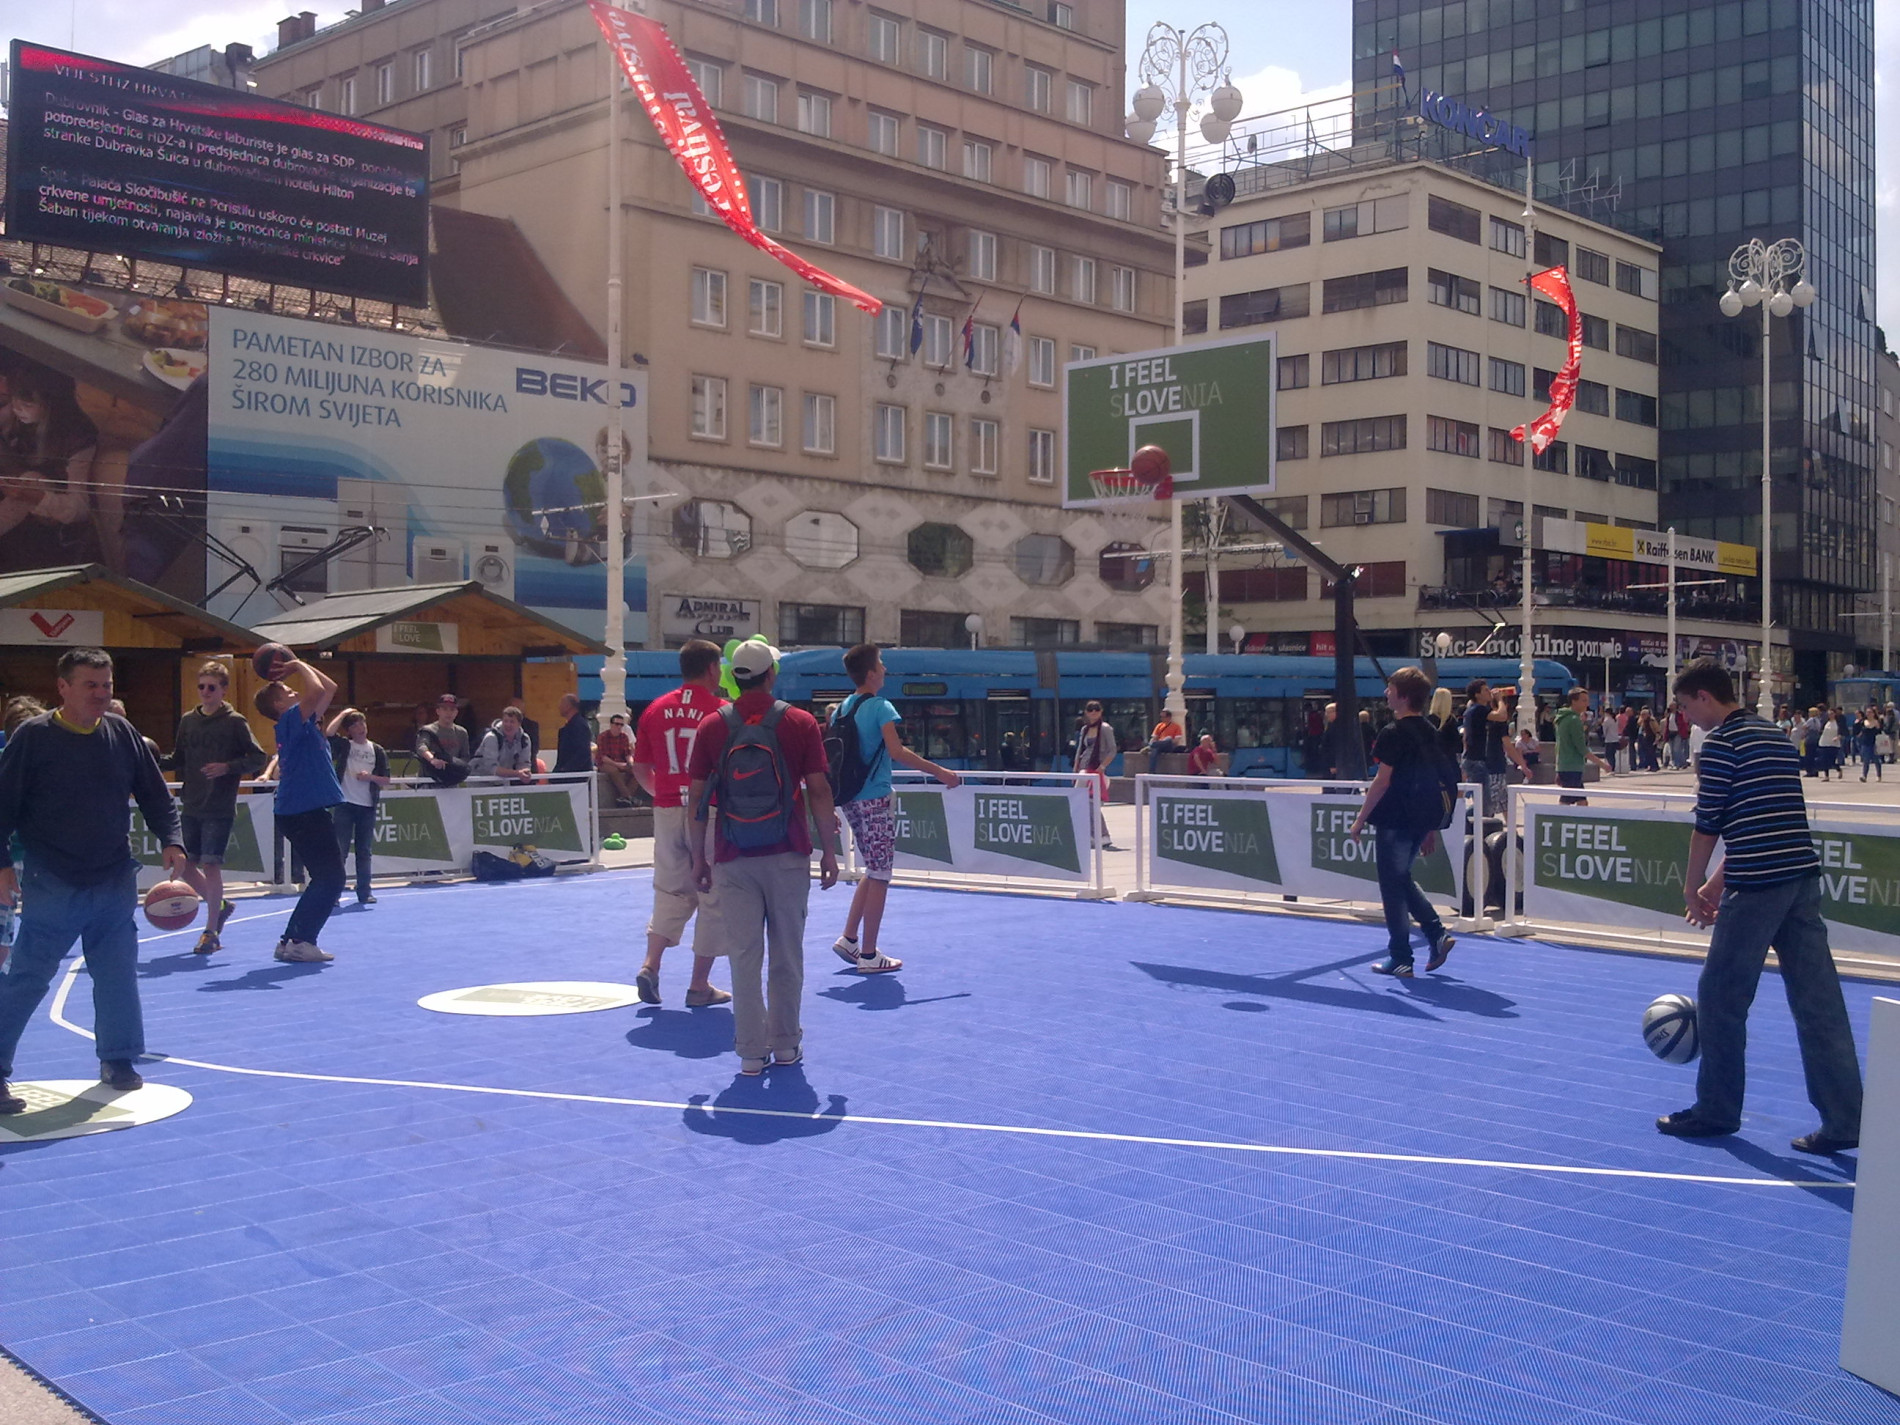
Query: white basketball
(1669, 1029)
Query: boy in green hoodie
(1573, 745)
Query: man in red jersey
(662, 750)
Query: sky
(1278, 54)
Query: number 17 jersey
(663, 739)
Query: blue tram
(1016, 710)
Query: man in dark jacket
(213, 752)
(66, 778)
(574, 749)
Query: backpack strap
(729, 716)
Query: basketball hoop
(1125, 486)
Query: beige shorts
(674, 896)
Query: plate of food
(57, 302)
(175, 367)
(167, 323)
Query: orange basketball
(1151, 465)
(171, 905)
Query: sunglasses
(211, 687)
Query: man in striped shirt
(1766, 892)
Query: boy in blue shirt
(307, 787)
(872, 813)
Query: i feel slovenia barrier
(1614, 869)
(998, 831)
(1288, 845)
(423, 829)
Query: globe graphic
(554, 496)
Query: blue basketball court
(1078, 1163)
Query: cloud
(1269, 90)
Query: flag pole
(613, 673)
(1526, 663)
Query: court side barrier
(997, 831)
(421, 829)
(1612, 872)
(1286, 846)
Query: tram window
(934, 730)
(1253, 722)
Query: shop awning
(487, 624)
(161, 619)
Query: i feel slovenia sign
(1209, 405)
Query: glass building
(1702, 124)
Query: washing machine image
(380, 563)
(493, 562)
(439, 561)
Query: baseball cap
(749, 660)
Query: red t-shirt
(663, 739)
(801, 742)
(1201, 762)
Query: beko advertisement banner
(467, 462)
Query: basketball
(1150, 464)
(269, 660)
(1669, 1029)
(171, 905)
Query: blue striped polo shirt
(1749, 794)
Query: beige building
(824, 481)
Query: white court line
(58, 1015)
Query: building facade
(1874, 626)
(1706, 123)
(824, 476)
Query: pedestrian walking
(1405, 807)
(1766, 893)
(1611, 727)
(1573, 746)
(362, 767)
(67, 781)
(307, 788)
(1829, 740)
(1867, 743)
(212, 752)
(1094, 751)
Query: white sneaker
(301, 952)
(876, 962)
(846, 949)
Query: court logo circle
(533, 997)
(74, 1108)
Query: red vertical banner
(1554, 282)
(685, 121)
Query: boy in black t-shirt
(1402, 821)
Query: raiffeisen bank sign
(1480, 124)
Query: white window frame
(1121, 288)
(1082, 280)
(979, 69)
(814, 113)
(1080, 108)
(893, 332)
(1119, 200)
(765, 307)
(814, 20)
(346, 95)
(882, 132)
(821, 216)
(979, 160)
(884, 41)
(887, 434)
(887, 232)
(1042, 361)
(767, 199)
(1042, 270)
(764, 12)
(820, 326)
(765, 416)
(386, 83)
(819, 432)
(709, 297)
(1079, 189)
(985, 439)
(939, 440)
(709, 408)
(981, 247)
(1042, 457)
(986, 344)
(1036, 176)
(760, 98)
(933, 147)
(933, 54)
(1037, 85)
(1083, 353)
(939, 348)
(314, 99)
(424, 70)
(709, 76)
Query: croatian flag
(969, 337)
(1398, 71)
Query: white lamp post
(973, 625)
(1177, 67)
(613, 673)
(1767, 275)
(1238, 633)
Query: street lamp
(1769, 276)
(1176, 68)
(1238, 633)
(973, 625)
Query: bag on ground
(487, 866)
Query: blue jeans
(1397, 848)
(312, 835)
(1788, 917)
(357, 824)
(53, 914)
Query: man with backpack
(861, 743)
(1412, 798)
(763, 762)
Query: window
(1552, 251)
(1269, 304)
(711, 529)
(1036, 88)
(1042, 361)
(1637, 281)
(1044, 632)
(760, 98)
(1044, 559)
(1042, 457)
(1083, 353)
(1084, 274)
(1507, 306)
(346, 96)
(1446, 290)
(1507, 238)
(887, 232)
(881, 133)
(766, 416)
(1061, 15)
(893, 332)
(985, 438)
(820, 215)
(1383, 580)
(425, 70)
(821, 625)
(1636, 344)
(709, 407)
(1454, 219)
(1290, 508)
(814, 114)
(1593, 398)
(708, 76)
(1551, 321)
(820, 431)
(1594, 464)
(1451, 437)
(1502, 448)
(1344, 507)
(931, 628)
(1365, 289)
(1375, 215)
(314, 99)
(982, 251)
(821, 316)
(1507, 376)
(937, 436)
(1121, 288)
(1362, 363)
(932, 146)
(458, 136)
(1293, 373)
(1042, 269)
(942, 550)
(1267, 235)
(1290, 443)
(1081, 107)
(938, 334)
(1120, 203)
(1555, 460)
(1363, 436)
(1081, 189)
(385, 83)
(1596, 332)
(933, 54)
(887, 434)
(1451, 363)
(1036, 177)
(979, 160)
(1451, 507)
(767, 197)
(979, 69)
(985, 343)
(709, 297)
(884, 43)
(814, 20)
(1592, 267)
(1636, 408)
(764, 12)
(1127, 635)
(1194, 317)
(1641, 473)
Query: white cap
(749, 660)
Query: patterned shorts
(874, 828)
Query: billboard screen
(113, 158)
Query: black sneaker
(646, 984)
(366, 900)
(1687, 1123)
(10, 1102)
(120, 1075)
(1397, 969)
(1441, 951)
(1822, 1144)
(226, 909)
